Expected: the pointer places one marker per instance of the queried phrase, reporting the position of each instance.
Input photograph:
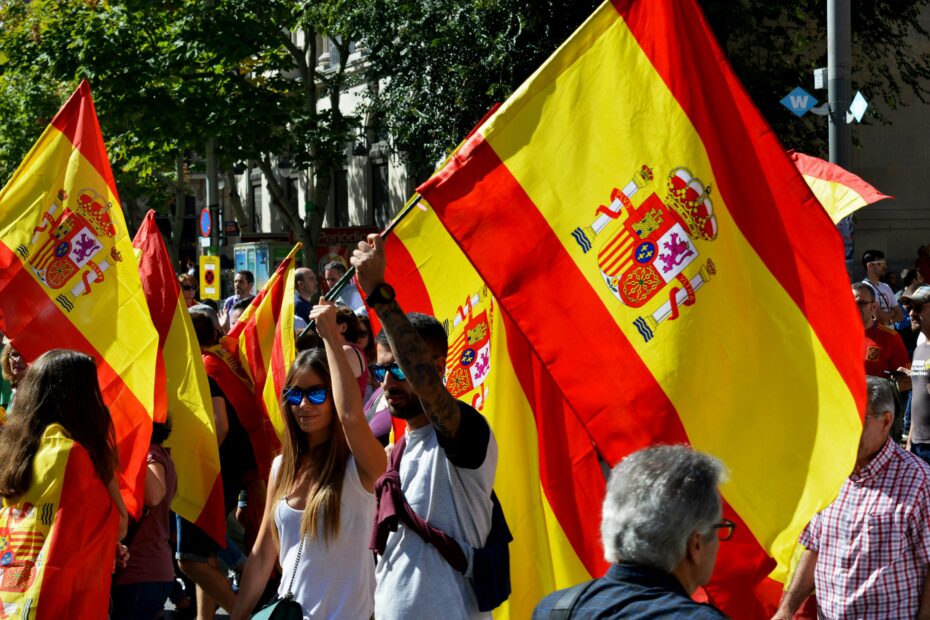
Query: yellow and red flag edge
(839, 191)
(68, 278)
(265, 342)
(647, 81)
(182, 389)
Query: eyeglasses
(863, 303)
(316, 394)
(880, 263)
(725, 529)
(917, 307)
(380, 371)
(187, 287)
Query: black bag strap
(565, 606)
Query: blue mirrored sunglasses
(380, 371)
(315, 394)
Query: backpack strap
(565, 606)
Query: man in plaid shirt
(868, 552)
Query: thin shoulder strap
(290, 586)
(565, 606)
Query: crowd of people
(345, 525)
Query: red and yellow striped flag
(183, 391)
(639, 222)
(839, 191)
(548, 477)
(68, 277)
(264, 339)
(58, 541)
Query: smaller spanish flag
(838, 190)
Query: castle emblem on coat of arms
(646, 246)
(73, 245)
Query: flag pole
(350, 273)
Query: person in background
(243, 283)
(142, 587)
(349, 295)
(306, 292)
(188, 289)
(320, 502)
(13, 367)
(237, 309)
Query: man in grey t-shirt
(448, 465)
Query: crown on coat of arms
(97, 212)
(690, 199)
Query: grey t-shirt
(449, 484)
(920, 399)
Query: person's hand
(324, 314)
(122, 555)
(904, 380)
(369, 263)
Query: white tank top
(334, 579)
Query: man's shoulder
(887, 331)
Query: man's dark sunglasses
(915, 307)
(380, 371)
(187, 287)
(315, 394)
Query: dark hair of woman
(326, 462)
(60, 387)
(370, 351)
(161, 431)
(345, 316)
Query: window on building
(380, 195)
(341, 198)
(334, 52)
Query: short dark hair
(335, 265)
(161, 431)
(429, 329)
(203, 327)
(864, 286)
(248, 275)
(870, 256)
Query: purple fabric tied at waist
(392, 509)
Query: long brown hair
(326, 462)
(60, 387)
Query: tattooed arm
(423, 369)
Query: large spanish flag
(549, 481)
(184, 391)
(58, 541)
(839, 191)
(69, 279)
(265, 341)
(640, 223)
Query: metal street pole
(213, 194)
(839, 74)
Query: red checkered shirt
(873, 541)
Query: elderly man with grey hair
(661, 528)
(868, 553)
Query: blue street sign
(799, 101)
(206, 222)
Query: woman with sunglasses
(320, 502)
(188, 289)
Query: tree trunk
(245, 223)
(177, 221)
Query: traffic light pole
(839, 74)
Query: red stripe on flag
(569, 471)
(161, 296)
(799, 245)
(212, 519)
(82, 546)
(77, 120)
(402, 270)
(40, 326)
